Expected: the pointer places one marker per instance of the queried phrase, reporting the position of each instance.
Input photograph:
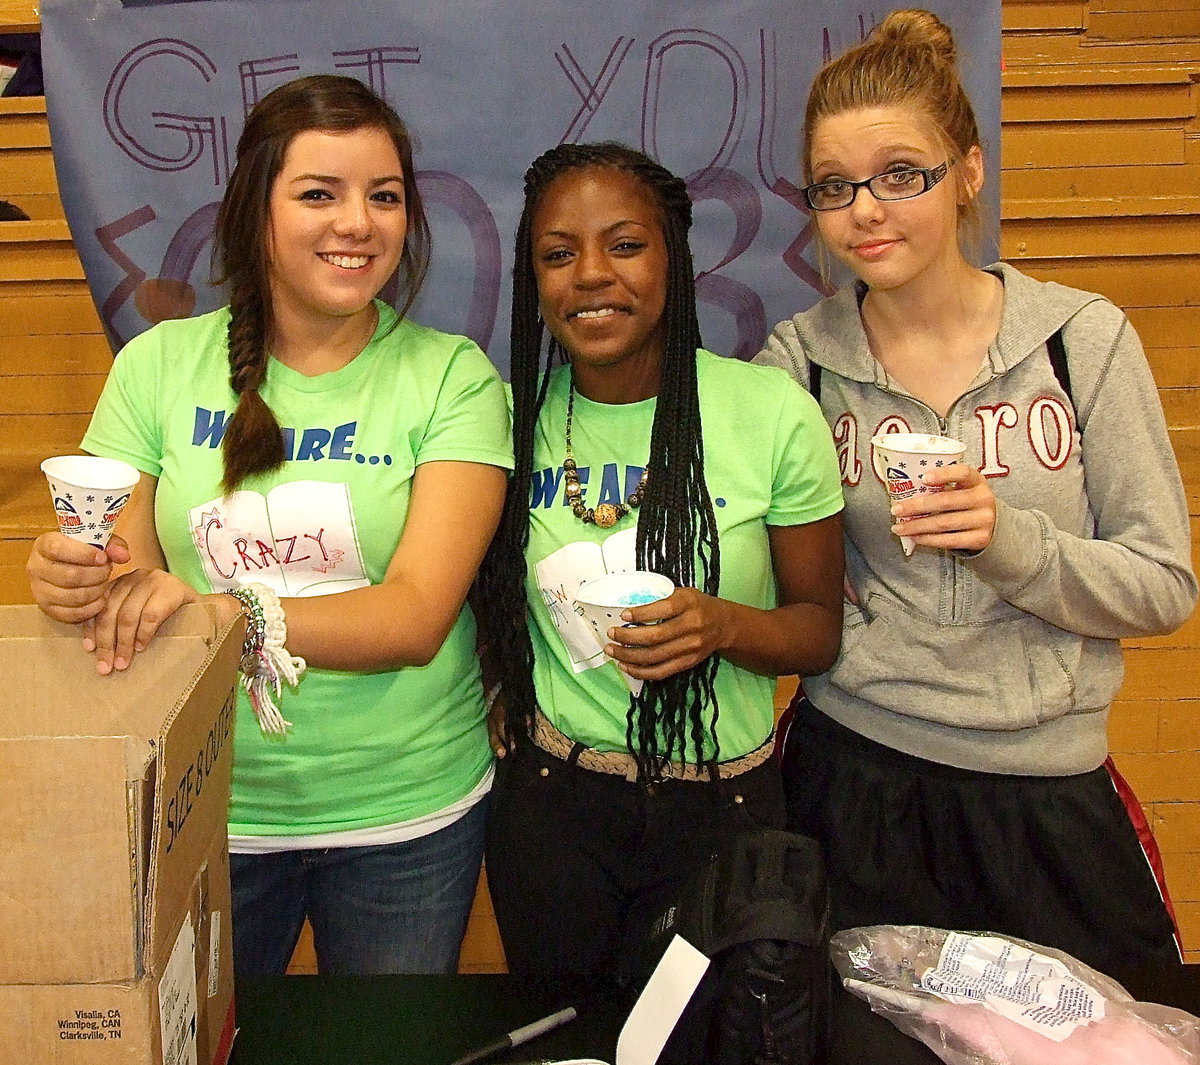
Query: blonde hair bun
(917, 28)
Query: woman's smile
(599, 313)
(871, 250)
(337, 224)
(600, 259)
(345, 262)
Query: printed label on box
(177, 1000)
(214, 954)
(90, 1024)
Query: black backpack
(760, 912)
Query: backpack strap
(814, 380)
(1058, 362)
(1062, 369)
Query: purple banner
(146, 102)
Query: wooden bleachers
(1101, 189)
(19, 16)
(53, 354)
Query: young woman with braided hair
(365, 456)
(952, 762)
(636, 446)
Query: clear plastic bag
(981, 999)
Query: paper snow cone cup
(602, 600)
(88, 494)
(901, 458)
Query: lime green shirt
(365, 749)
(768, 460)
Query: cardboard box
(115, 942)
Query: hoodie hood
(833, 336)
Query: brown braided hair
(253, 441)
(676, 523)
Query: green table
(398, 1020)
(431, 1020)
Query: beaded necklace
(606, 515)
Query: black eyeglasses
(890, 185)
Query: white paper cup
(602, 600)
(901, 458)
(88, 494)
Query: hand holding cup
(945, 504)
(901, 459)
(69, 570)
(603, 600)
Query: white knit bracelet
(266, 663)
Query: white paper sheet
(660, 1004)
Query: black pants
(1054, 860)
(575, 858)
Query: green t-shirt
(768, 460)
(366, 749)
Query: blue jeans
(399, 908)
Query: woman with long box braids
(636, 448)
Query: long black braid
(676, 525)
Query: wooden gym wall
(1100, 190)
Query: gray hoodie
(1004, 661)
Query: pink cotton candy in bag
(995, 1039)
(978, 999)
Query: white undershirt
(378, 836)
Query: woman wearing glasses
(953, 761)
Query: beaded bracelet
(266, 662)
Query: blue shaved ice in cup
(637, 599)
(602, 600)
